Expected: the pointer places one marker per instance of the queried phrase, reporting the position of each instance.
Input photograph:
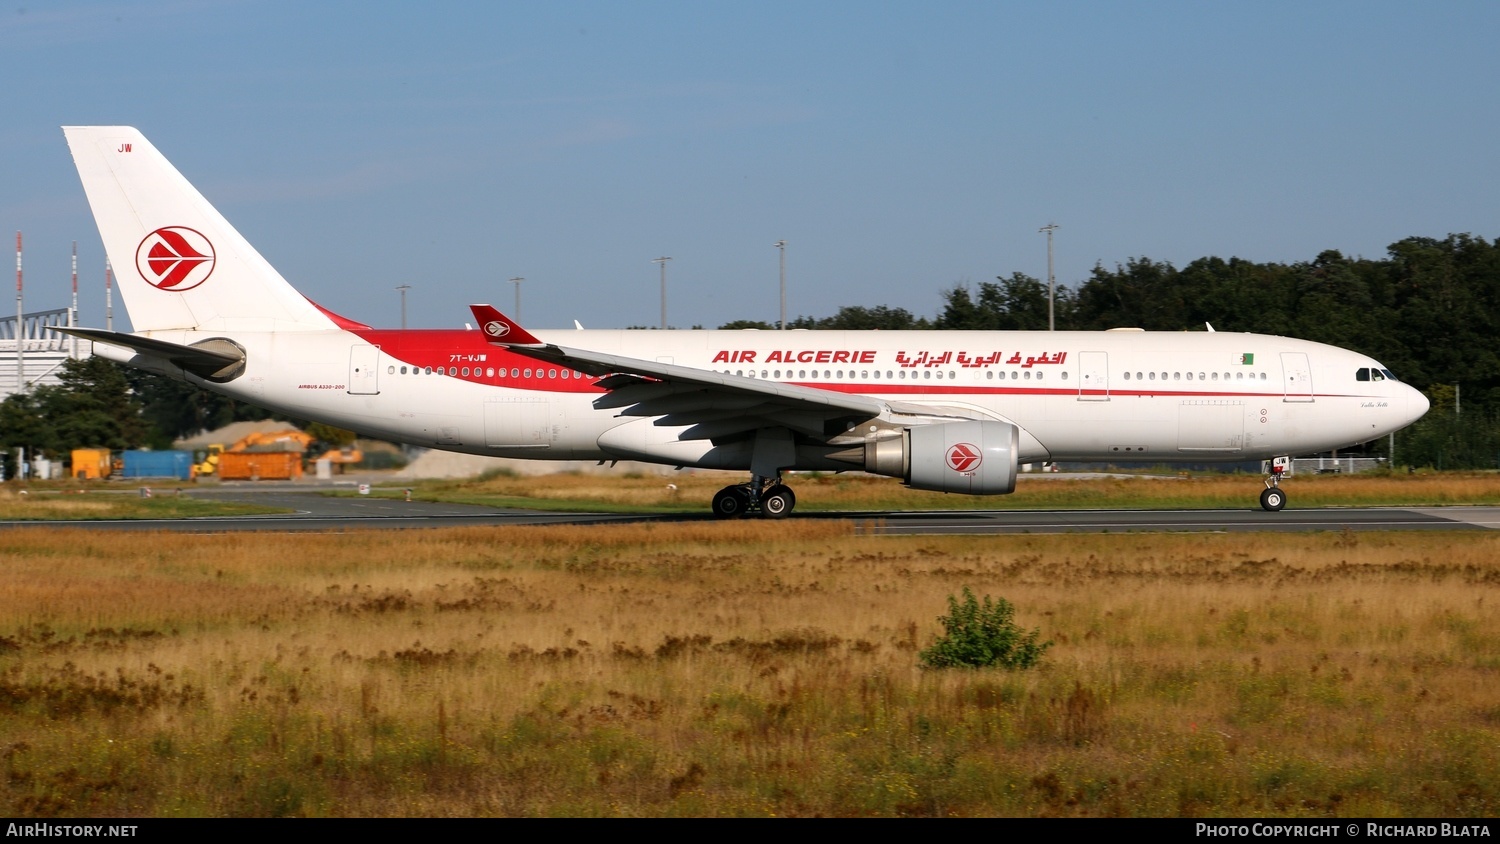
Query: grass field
(74, 502)
(728, 669)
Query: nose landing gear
(1272, 498)
(767, 496)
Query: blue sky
(899, 148)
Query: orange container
(260, 465)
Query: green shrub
(979, 636)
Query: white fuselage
(1116, 396)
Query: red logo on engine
(964, 457)
(175, 258)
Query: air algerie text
(804, 356)
(968, 359)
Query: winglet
(501, 329)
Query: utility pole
(109, 301)
(73, 311)
(663, 262)
(1051, 320)
(781, 244)
(517, 282)
(20, 326)
(403, 288)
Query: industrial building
(33, 355)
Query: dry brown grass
(744, 669)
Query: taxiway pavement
(310, 511)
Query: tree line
(1429, 310)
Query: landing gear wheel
(1272, 499)
(731, 502)
(777, 502)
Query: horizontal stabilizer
(215, 360)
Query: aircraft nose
(1417, 404)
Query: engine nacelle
(973, 458)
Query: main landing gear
(767, 496)
(1272, 498)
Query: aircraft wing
(716, 405)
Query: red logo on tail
(963, 457)
(175, 258)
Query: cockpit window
(1389, 375)
(1363, 374)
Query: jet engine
(973, 458)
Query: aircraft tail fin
(180, 264)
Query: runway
(313, 512)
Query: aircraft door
(518, 423)
(364, 370)
(1093, 376)
(1296, 377)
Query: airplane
(951, 411)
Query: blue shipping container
(159, 464)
